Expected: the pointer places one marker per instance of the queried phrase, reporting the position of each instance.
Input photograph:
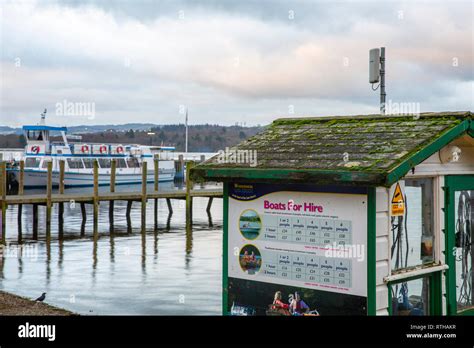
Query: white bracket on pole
(377, 73)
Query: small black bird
(41, 298)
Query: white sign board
(314, 240)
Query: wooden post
(189, 198)
(49, 190)
(157, 172)
(21, 179)
(208, 210)
(144, 182)
(20, 222)
(35, 221)
(20, 192)
(129, 219)
(113, 169)
(61, 177)
(61, 204)
(60, 220)
(181, 167)
(96, 196)
(83, 212)
(170, 207)
(209, 204)
(84, 219)
(3, 188)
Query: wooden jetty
(95, 197)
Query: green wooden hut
(349, 215)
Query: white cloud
(83, 53)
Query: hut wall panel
(382, 257)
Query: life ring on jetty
(85, 148)
(35, 149)
(103, 149)
(119, 149)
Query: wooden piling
(60, 220)
(61, 177)
(157, 173)
(208, 210)
(21, 185)
(113, 169)
(3, 188)
(180, 171)
(35, 221)
(61, 204)
(129, 219)
(209, 204)
(83, 212)
(170, 207)
(84, 219)
(49, 190)
(19, 222)
(144, 182)
(21, 178)
(189, 198)
(96, 196)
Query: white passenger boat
(79, 157)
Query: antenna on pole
(186, 127)
(377, 73)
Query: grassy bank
(16, 305)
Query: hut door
(460, 242)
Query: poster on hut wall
(298, 247)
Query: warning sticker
(398, 202)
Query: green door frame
(453, 183)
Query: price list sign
(298, 237)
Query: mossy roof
(360, 150)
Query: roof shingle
(374, 145)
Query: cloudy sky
(227, 62)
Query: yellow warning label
(398, 202)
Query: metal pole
(382, 81)
(186, 126)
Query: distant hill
(8, 130)
(202, 138)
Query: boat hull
(39, 178)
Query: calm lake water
(164, 272)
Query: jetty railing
(94, 198)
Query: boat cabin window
(104, 162)
(75, 163)
(133, 163)
(32, 162)
(88, 162)
(35, 135)
(121, 163)
(45, 164)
